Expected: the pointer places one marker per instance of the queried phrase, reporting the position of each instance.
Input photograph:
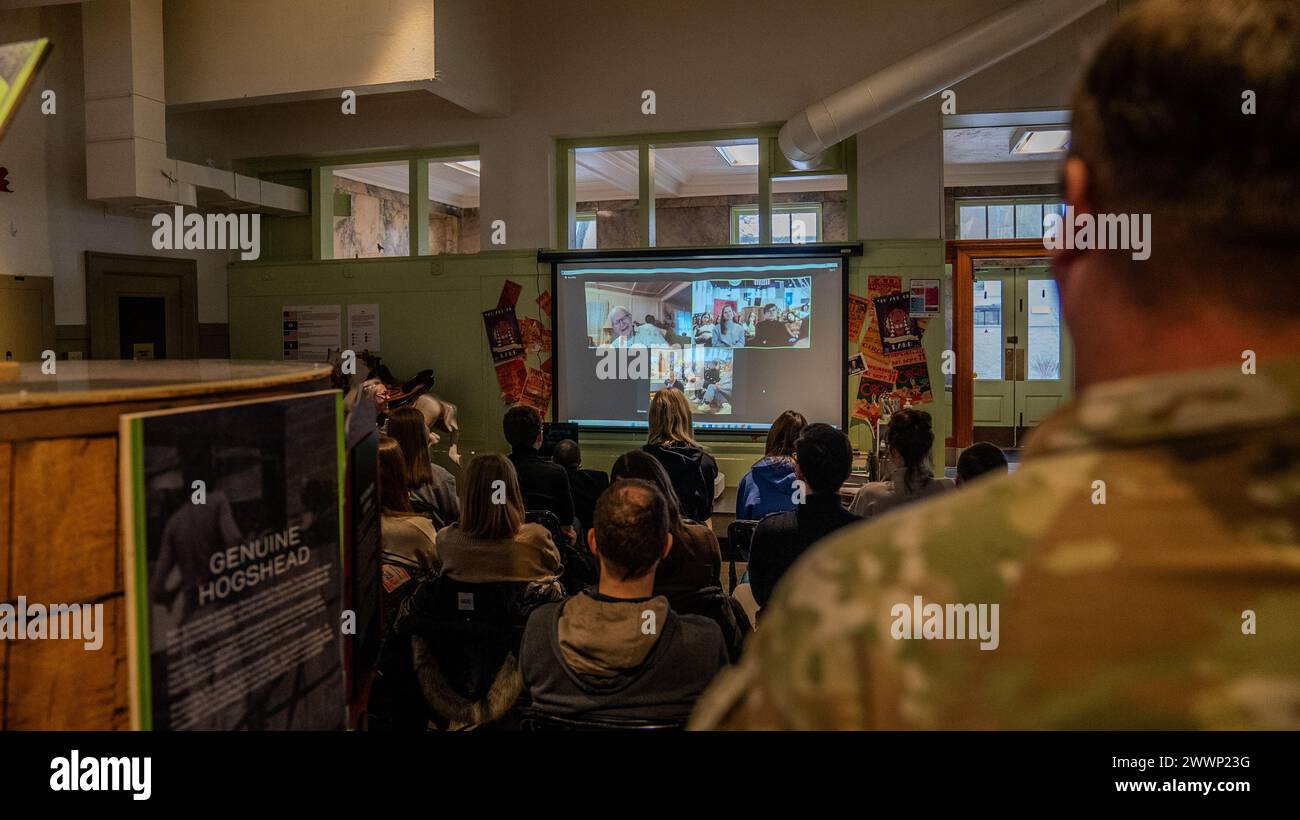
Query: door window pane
(988, 329)
(584, 231)
(1043, 352)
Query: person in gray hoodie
(620, 652)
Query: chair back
(739, 535)
(580, 570)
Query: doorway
(141, 307)
(1014, 356)
(1022, 356)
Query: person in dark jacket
(692, 471)
(620, 652)
(695, 561)
(545, 485)
(585, 485)
(823, 459)
(768, 487)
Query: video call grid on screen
(743, 339)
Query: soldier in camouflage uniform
(1145, 559)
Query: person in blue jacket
(768, 487)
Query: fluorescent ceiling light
(739, 155)
(1040, 140)
(469, 166)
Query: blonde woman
(693, 472)
(491, 542)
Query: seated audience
(409, 539)
(545, 485)
(620, 652)
(823, 459)
(768, 487)
(911, 435)
(584, 485)
(432, 488)
(491, 542)
(695, 560)
(978, 459)
(692, 471)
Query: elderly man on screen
(627, 333)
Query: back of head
(670, 418)
(407, 427)
(980, 458)
(491, 504)
(911, 435)
(393, 489)
(522, 425)
(784, 433)
(640, 465)
(1188, 113)
(566, 454)
(825, 457)
(631, 524)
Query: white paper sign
(363, 328)
(310, 332)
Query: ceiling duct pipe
(127, 162)
(925, 73)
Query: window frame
(322, 189)
(738, 211)
(839, 159)
(1013, 201)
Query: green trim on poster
(342, 454)
(141, 547)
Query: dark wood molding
(99, 265)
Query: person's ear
(668, 545)
(798, 473)
(591, 541)
(1076, 182)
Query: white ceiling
(447, 184)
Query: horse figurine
(382, 386)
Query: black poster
(233, 565)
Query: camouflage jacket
(1145, 560)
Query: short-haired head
(980, 458)
(522, 426)
(824, 456)
(631, 528)
(566, 454)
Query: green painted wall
(430, 316)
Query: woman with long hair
(491, 541)
(695, 559)
(693, 472)
(768, 487)
(728, 332)
(911, 435)
(409, 539)
(432, 488)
